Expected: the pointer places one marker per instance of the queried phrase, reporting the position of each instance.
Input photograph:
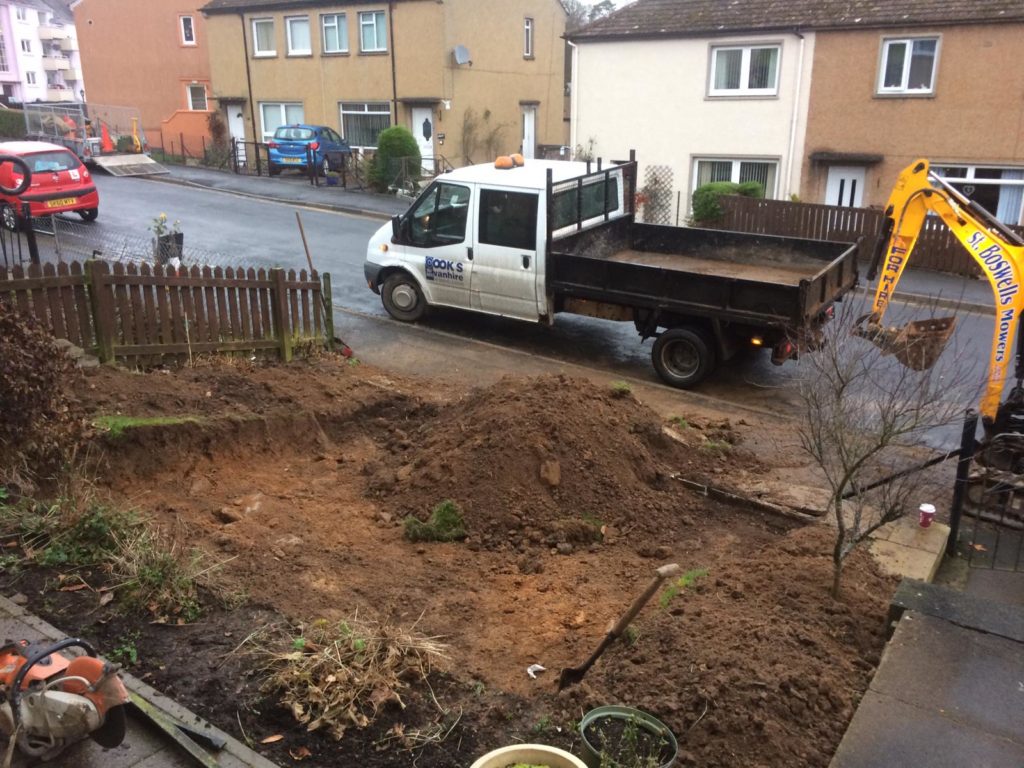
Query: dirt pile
(757, 665)
(541, 461)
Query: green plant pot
(617, 717)
(531, 754)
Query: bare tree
(581, 12)
(863, 412)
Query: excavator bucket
(917, 345)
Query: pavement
(144, 746)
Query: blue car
(291, 144)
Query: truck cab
(477, 238)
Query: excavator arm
(997, 250)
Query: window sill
(335, 53)
(373, 53)
(531, 57)
(270, 55)
(299, 55)
(188, 45)
(905, 95)
(741, 97)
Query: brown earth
(297, 478)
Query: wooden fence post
(101, 301)
(325, 297)
(282, 322)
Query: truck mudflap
(809, 338)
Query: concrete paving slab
(964, 675)
(1005, 587)
(886, 733)
(907, 562)
(908, 533)
(970, 611)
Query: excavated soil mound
(547, 460)
(758, 665)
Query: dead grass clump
(333, 675)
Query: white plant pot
(536, 754)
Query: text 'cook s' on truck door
(440, 225)
(505, 264)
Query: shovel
(572, 675)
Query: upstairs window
(188, 30)
(299, 41)
(21, 13)
(3, 54)
(372, 32)
(908, 66)
(527, 38)
(263, 37)
(746, 70)
(335, 32)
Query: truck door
(504, 278)
(438, 235)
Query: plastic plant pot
(616, 719)
(531, 754)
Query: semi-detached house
(469, 78)
(823, 99)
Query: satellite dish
(461, 54)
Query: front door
(529, 131)
(505, 258)
(423, 130)
(236, 128)
(845, 186)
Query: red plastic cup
(926, 513)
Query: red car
(60, 183)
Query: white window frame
(369, 19)
(192, 27)
(902, 89)
(340, 22)
(21, 13)
(384, 108)
(283, 105)
(26, 46)
(970, 177)
(744, 88)
(30, 78)
(735, 171)
(528, 37)
(191, 101)
(292, 50)
(256, 52)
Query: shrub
(706, 207)
(40, 428)
(444, 524)
(12, 124)
(393, 146)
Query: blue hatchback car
(291, 144)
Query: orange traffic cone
(106, 145)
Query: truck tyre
(402, 298)
(683, 357)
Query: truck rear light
(757, 341)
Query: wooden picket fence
(143, 315)
(937, 248)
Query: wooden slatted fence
(142, 315)
(937, 248)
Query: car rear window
(56, 160)
(293, 134)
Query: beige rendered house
(469, 78)
(152, 56)
(824, 99)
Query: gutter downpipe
(573, 97)
(394, 75)
(248, 79)
(798, 95)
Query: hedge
(705, 198)
(12, 124)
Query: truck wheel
(402, 298)
(683, 357)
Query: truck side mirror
(396, 228)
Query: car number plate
(61, 202)
(293, 159)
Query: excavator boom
(996, 249)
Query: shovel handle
(659, 576)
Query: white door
(529, 131)
(236, 128)
(504, 279)
(845, 186)
(423, 130)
